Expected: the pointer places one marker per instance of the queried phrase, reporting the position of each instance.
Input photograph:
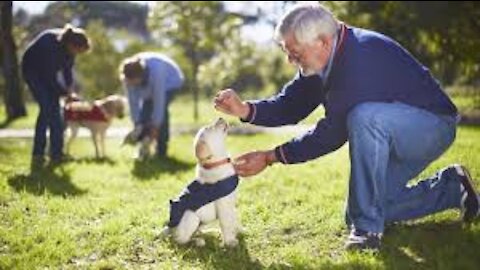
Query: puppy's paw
(164, 233)
(231, 243)
(240, 230)
(199, 242)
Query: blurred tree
(14, 104)
(98, 69)
(441, 34)
(113, 14)
(198, 28)
(245, 66)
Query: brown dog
(96, 116)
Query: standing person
(150, 80)
(47, 58)
(378, 97)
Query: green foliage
(442, 34)
(113, 14)
(98, 69)
(198, 29)
(243, 66)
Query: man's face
(310, 58)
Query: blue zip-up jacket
(162, 75)
(44, 57)
(197, 195)
(367, 66)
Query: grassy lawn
(89, 214)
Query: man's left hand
(252, 163)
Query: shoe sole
(468, 185)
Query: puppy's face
(209, 143)
(115, 105)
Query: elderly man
(378, 97)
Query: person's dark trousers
(164, 132)
(164, 129)
(49, 117)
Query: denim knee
(362, 116)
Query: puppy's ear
(202, 151)
(109, 107)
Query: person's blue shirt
(367, 66)
(45, 58)
(162, 75)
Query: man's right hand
(228, 102)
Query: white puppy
(96, 116)
(212, 195)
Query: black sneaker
(470, 202)
(363, 241)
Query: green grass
(90, 214)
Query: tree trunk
(14, 104)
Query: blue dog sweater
(197, 195)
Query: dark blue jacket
(44, 57)
(368, 66)
(197, 195)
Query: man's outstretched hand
(253, 163)
(228, 102)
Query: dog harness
(196, 195)
(95, 114)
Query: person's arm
(328, 135)
(296, 101)
(68, 76)
(254, 162)
(133, 103)
(49, 54)
(325, 138)
(157, 84)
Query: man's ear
(202, 151)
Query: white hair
(307, 22)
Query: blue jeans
(391, 143)
(49, 117)
(164, 129)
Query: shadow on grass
(5, 123)
(431, 246)
(152, 168)
(213, 256)
(41, 180)
(90, 160)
